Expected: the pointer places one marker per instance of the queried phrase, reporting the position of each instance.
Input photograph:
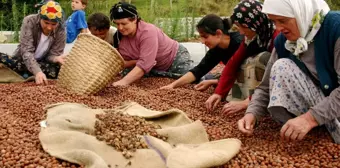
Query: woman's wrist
(173, 84)
(310, 118)
(214, 81)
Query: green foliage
(16, 25)
(14, 11)
(1, 21)
(153, 11)
(334, 4)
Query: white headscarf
(309, 15)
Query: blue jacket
(74, 24)
(324, 42)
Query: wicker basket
(90, 66)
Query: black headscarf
(248, 14)
(122, 10)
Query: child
(99, 25)
(76, 23)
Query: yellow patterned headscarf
(51, 11)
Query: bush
(13, 11)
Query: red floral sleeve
(229, 73)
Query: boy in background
(76, 23)
(99, 25)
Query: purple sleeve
(148, 50)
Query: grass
(176, 20)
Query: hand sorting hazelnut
(21, 110)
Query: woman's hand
(235, 107)
(185, 79)
(204, 85)
(135, 74)
(247, 123)
(212, 102)
(297, 128)
(60, 59)
(120, 83)
(170, 86)
(40, 78)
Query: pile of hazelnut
(124, 132)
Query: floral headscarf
(309, 15)
(51, 11)
(248, 14)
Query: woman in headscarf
(42, 43)
(300, 88)
(222, 44)
(145, 48)
(259, 34)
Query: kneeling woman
(145, 48)
(300, 88)
(42, 43)
(214, 33)
(259, 34)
